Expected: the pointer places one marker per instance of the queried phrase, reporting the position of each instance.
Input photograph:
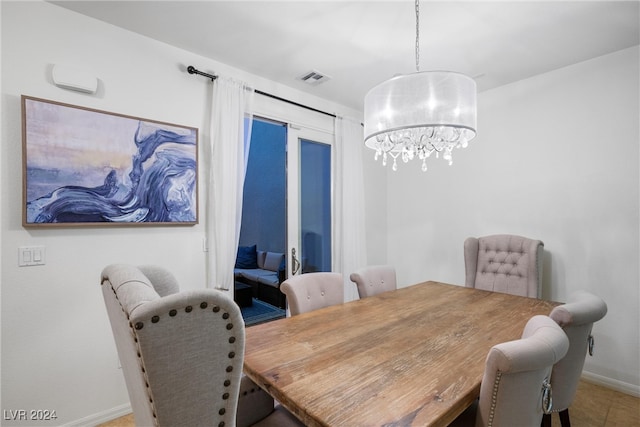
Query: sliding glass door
(308, 200)
(287, 195)
(264, 201)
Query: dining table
(414, 356)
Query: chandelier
(415, 115)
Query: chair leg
(564, 418)
(546, 420)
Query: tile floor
(597, 406)
(594, 406)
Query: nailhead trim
(494, 398)
(138, 326)
(246, 392)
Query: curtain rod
(193, 70)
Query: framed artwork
(86, 167)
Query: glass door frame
(301, 124)
(295, 135)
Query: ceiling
(359, 44)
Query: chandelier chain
(417, 35)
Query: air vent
(313, 77)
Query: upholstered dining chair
(576, 318)
(182, 353)
(311, 291)
(515, 388)
(374, 279)
(504, 263)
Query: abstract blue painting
(88, 167)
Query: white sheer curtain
(349, 238)
(230, 136)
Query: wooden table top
(410, 357)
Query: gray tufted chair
(311, 291)
(504, 263)
(182, 353)
(576, 318)
(374, 279)
(515, 384)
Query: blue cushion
(247, 257)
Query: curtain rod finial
(192, 70)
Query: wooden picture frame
(86, 167)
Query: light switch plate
(31, 255)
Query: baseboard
(102, 417)
(616, 385)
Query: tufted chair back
(504, 263)
(182, 352)
(374, 279)
(512, 392)
(311, 291)
(576, 318)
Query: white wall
(556, 158)
(57, 348)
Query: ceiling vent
(313, 77)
